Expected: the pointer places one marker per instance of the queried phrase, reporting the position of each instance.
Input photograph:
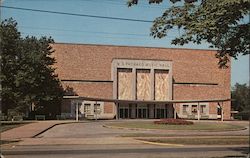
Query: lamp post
(222, 112)
(174, 110)
(77, 109)
(198, 111)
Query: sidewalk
(30, 130)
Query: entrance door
(124, 111)
(142, 111)
(161, 111)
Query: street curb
(160, 144)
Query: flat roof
(153, 47)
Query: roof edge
(110, 45)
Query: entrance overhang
(144, 101)
(153, 102)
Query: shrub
(172, 121)
(243, 115)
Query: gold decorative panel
(125, 79)
(161, 85)
(143, 84)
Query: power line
(91, 32)
(71, 35)
(98, 35)
(80, 31)
(75, 14)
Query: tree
(218, 22)
(241, 94)
(10, 38)
(27, 75)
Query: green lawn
(7, 125)
(203, 126)
(201, 141)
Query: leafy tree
(218, 22)
(69, 91)
(27, 75)
(241, 94)
(10, 38)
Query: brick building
(143, 81)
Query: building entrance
(161, 111)
(143, 111)
(124, 112)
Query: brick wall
(91, 89)
(93, 62)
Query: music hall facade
(127, 82)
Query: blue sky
(75, 29)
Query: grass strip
(201, 141)
(200, 126)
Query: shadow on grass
(243, 150)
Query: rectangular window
(185, 109)
(97, 108)
(194, 109)
(87, 108)
(124, 83)
(203, 109)
(143, 84)
(161, 84)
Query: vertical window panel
(143, 84)
(185, 109)
(125, 80)
(161, 85)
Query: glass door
(161, 111)
(124, 111)
(142, 111)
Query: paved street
(123, 151)
(91, 139)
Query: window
(185, 109)
(97, 108)
(87, 108)
(203, 109)
(194, 109)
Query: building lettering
(143, 64)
